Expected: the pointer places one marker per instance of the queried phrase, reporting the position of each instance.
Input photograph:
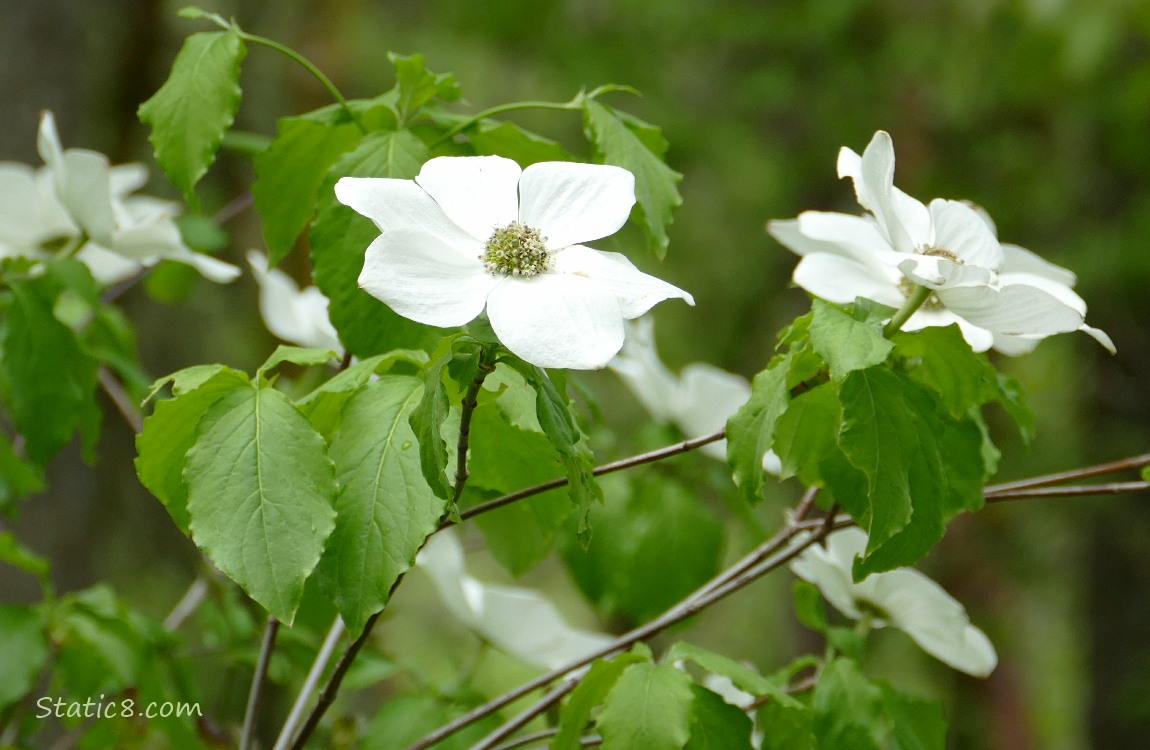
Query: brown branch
(1024, 493)
(499, 734)
(121, 400)
(1123, 464)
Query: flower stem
(575, 103)
(917, 297)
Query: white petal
(772, 464)
(423, 278)
(442, 559)
(108, 267)
(937, 272)
(829, 568)
(479, 193)
(1016, 346)
(857, 237)
(82, 179)
(572, 203)
(839, 279)
(959, 229)
(639, 366)
(902, 218)
(635, 291)
(923, 610)
(1056, 289)
(21, 223)
(1019, 259)
(787, 232)
(557, 320)
(708, 396)
(161, 239)
(127, 178)
(1016, 309)
(1099, 336)
(294, 315)
(979, 339)
(401, 204)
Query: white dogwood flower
(699, 401)
(516, 620)
(903, 598)
(476, 232)
(298, 316)
(995, 293)
(79, 198)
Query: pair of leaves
(246, 473)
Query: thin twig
(259, 679)
(499, 734)
(120, 398)
(1076, 490)
(1122, 464)
(188, 604)
(308, 690)
(625, 463)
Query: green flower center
(516, 250)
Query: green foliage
(196, 105)
(751, 430)
(809, 606)
(49, 377)
(650, 707)
(23, 651)
(417, 86)
(259, 479)
(741, 676)
(716, 724)
(653, 543)
(427, 422)
(627, 142)
(591, 691)
(845, 343)
(384, 509)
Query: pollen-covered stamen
(939, 252)
(516, 250)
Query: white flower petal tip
(470, 233)
(699, 402)
(1100, 336)
(516, 620)
(298, 316)
(1000, 295)
(907, 599)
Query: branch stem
(1122, 464)
(259, 679)
(308, 690)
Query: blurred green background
(1038, 110)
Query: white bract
(475, 232)
(699, 401)
(999, 295)
(78, 198)
(298, 316)
(903, 598)
(516, 620)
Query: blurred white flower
(995, 293)
(903, 598)
(298, 316)
(79, 197)
(475, 232)
(516, 620)
(699, 402)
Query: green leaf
(807, 433)
(940, 359)
(171, 430)
(1013, 400)
(23, 651)
(324, 406)
(649, 707)
(196, 105)
(427, 422)
(786, 728)
(17, 477)
(339, 239)
(51, 380)
(847, 708)
(298, 355)
(916, 724)
(751, 430)
(260, 489)
(591, 691)
(100, 649)
(624, 142)
(651, 547)
(844, 343)
(290, 173)
(553, 411)
(384, 510)
(716, 724)
(417, 85)
(809, 606)
(513, 142)
(898, 437)
(504, 459)
(19, 556)
(742, 676)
